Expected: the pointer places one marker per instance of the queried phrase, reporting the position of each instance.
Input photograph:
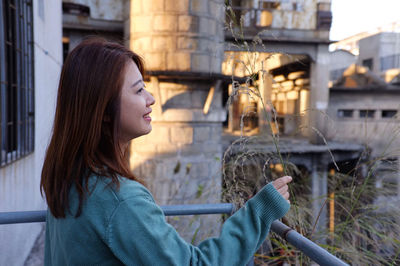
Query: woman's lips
(147, 117)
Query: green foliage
(200, 189)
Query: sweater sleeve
(138, 233)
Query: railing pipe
(169, 210)
(192, 209)
(309, 248)
(312, 250)
(22, 217)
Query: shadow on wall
(181, 164)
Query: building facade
(31, 59)
(364, 109)
(364, 98)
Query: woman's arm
(138, 233)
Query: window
(368, 63)
(391, 61)
(16, 80)
(388, 113)
(367, 113)
(344, 113)
(324, 16)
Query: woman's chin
(147, 130)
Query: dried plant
(364, 231)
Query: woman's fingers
(283, 189)
(286, 195)
(282, 181)
(281, 186)
(284, 192)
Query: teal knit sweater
(126, 226)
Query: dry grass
(365, 233)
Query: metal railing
(309, 248)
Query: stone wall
(181, 35)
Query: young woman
(99, 212)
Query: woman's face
(135, 119)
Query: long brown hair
(85, 135)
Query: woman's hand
(280, 184)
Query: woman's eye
(140, 90)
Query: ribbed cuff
(269, 204)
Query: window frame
(17, 106)
(369, 113)
(368, 62)
(343, 112)
(390, 113)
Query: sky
(354, 16)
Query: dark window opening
(324, 16)
(16, 80)
(344, 113)
(367, 113)
(388, 113)
(77, 9)
(368, 63)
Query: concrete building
(351, 43)
(30, 63)
(340, 60)
(83, 18)
(297, 35)
(287, 63)
(364, 104)
(380, 52)
(377, 49)
(365, 110)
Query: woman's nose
(150, 99)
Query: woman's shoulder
(127, 189)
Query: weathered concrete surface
(177, 35)
(36, 256)
(103, 9)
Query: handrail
(309, 248)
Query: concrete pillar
(319, 193)
(233, 112)
(319, 94)
(180, 159)
(178, 35)
(264, 107)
